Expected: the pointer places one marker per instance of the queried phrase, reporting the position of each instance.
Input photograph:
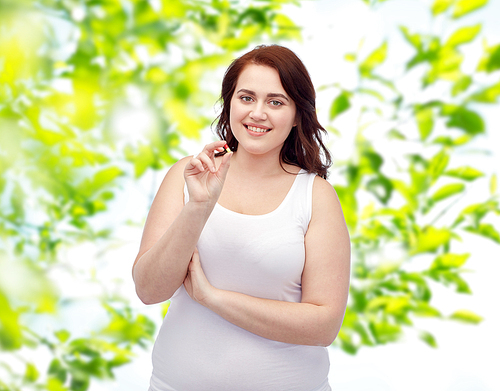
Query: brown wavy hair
(303, 147)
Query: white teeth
(259, 130)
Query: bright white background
(467, 357)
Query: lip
(255, 134)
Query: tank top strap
(299, 205)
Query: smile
(255, 129)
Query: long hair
(303, 147)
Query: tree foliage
(405, 191)
(68, 81)
(68, 71)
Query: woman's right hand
(203, 179)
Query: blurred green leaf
(438, 164)
(423, 309)
(447, 191)
(466, 316)
(487, 230)
(31, 374)
(54, 384)
(381, 187)
(57, 371)
(487, 95)
(464, 7)
(429, 339)
(461, 85)
(449, 260)
(62, 335)
(10, 330)
(340, 104)
(385, 332)
(463, 118)
(374, 59)
(463, 35)
(440, 6)
(430, 239)
(466, 173)
(414, 39)
(493, 184)
(425, 122)
(490, 62)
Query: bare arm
(316, 320)
(172, 229)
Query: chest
(255, 197)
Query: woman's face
(262, 114)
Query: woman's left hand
(196, 283)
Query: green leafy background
(98, 98)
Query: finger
(216, 145)
(195, 259)
(195, 164)
(224, 165)
(208, 162)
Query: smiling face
(262, 114)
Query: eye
(276, 103)
(246, 98)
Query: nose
(258, 113)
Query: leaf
(413, 39)
(351, 57)
(62, 335)
(428, 338)
(380, 187)
(370, 161)
(54, 384)
(440, 6)
(57, 370)
(438, 164)
(10, 330)
(424, 309)
(490, 61)
(425, 122)
(286, 28)
(487, 95)
(463, 35)
(372, 92)
(476, 212)
(493, 184)
(466, 316)
(464, 7)
(373, 60)
(385, 332)
(450, 142)
(487, 230)
(31, 374)
(449, 260)
(445, 65)
(450, 277)
(340, 104)
(396, 135)
(461, 85)
(105, 177)
(430, 239)
(462, 118)
(447, 191)
(466, 173)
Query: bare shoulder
(324, 197)
(327, 216)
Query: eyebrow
(270, 95)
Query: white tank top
(261, 256)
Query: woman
(250, 245)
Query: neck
(256, 165)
